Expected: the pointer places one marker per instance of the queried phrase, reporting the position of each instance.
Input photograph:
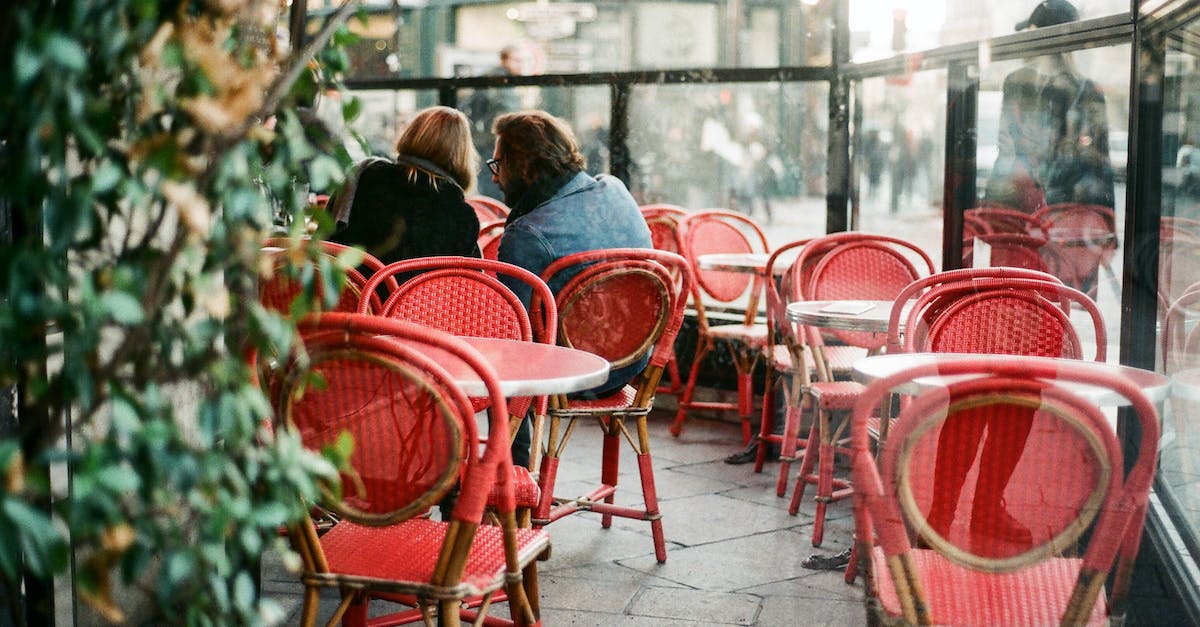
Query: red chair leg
(766, 423)
(791, 433)
(650, 496)
(611, 464)
(745, 390)
(852, 566)
(824, 483)
(807, 461)
(685, 402)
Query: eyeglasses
(494, 166)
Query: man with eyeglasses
(557, 209)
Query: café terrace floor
(733, 553)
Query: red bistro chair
(289, 262)
(721, 231)
(663, 222)
(464, 296)
(489, 238)
(623, 304)
(414, 436)
(488, 209)
(787, 357)
(1070, 483)
(848, 266)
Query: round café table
(527, 368)
(748, 263)
(1154, 385)
(843, 315)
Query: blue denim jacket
(585, 214)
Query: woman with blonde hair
(414, 206)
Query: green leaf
(66, 52)
(120, 479)
(27, 64)
(352, 108)
(122, 307)
(44, 548)
(325, 171)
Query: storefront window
(882, 29)
(898, 158)
(754, 148)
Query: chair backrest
(779, 290)
(489, 238)
(464, 296)
(1003, 316)
(384, 383)
(663, 222)
(920, 286)
(720, 231)
(1015, 250)
(1007, 220)
(488, 209)
(1068, 482)
(280, 290)
(623, 304)
(857, 266)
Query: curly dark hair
(535, 144)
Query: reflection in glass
(1179, 273)
(755, 148)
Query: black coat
(400, 212)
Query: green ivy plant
(149, 147)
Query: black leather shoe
(743, 457)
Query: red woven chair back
(855, 266)
(720, 231)
(782, 291)
(624, 303)
(863, 270)
(663, 221)
(1019, 316)
(384, 383)
(463, 296)
(490, 234)
(920, 286)
(488, 209)
(1068, 483)
(280, 290)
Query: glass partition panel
(755, 148)
(444, 39)
(881, 29)
(1179, 274)
(586, 108)
(898, 156)
(1052, 142)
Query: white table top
(843, 315)
(1154, 385)
(530, 368)
(749, 263)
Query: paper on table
(849, 307)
